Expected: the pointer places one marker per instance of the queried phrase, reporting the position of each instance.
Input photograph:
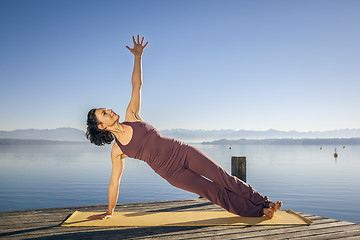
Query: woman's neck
(117, 129)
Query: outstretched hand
(138, 46)
(100, 216)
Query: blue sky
(255, 65)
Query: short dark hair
(94, 134)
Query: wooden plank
(350, 238)
(344, 232)
(313, 231)
(45, 223)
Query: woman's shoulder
(116, 150)
(132, 116)
(133, 122)
(130, 122)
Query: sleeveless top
(147, 144)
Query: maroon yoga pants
(197, 173)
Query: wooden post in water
(238, 167)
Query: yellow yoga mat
(190, 218)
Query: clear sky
(255, 65)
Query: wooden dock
(45, 224)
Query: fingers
(99, 216)
(93, 217)
(138, 41)
(130, 49)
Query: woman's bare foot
(269, 212)
(276, 205)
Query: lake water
(306, 178)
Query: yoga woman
(183, 166)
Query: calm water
(305, 178)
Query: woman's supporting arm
(133, 110)
(113, 191)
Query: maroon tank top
(147, 144)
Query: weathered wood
(238, 167)
(45, 224)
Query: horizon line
(199, 129)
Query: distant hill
(288, 141)
(211, 135)
(58, 134)
(72, 134)
(13, 141)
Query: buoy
(230, 148)
(335, 154)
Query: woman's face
(107, 117)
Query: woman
(181, 165)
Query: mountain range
(211, 135)
(58, 134)
(72, 134)
(288, 141)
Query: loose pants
(197, 173)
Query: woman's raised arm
(133, 110)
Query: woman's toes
(278, 205)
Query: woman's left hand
(100, 216)
(138, 46)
